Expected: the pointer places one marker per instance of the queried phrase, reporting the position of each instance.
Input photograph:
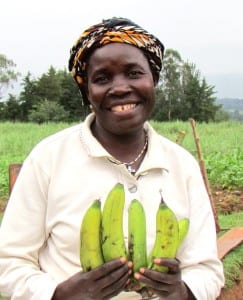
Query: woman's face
(120, 88)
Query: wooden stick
(14, 170)
(204, 172)
(180, 137)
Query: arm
(198, 254)
(22, 234)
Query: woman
(116, 65)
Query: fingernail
(142, 270)
(137, 275)
(123, 260)
(157, 260)
(130, 264)
(130, 272)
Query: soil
(225, 201)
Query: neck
(125, 147)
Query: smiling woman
(120, 89)
(116, 65)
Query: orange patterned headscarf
(115, 30)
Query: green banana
(167, 234)
(90, 239)
(113, 243)
(137, 245)
(183, 229)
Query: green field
(221, 143)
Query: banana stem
(161, 197)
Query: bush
(47, 111)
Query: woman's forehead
(117, 54)
(116, 50)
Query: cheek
(148, 89)
(95, 96)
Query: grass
(233, 261)
(221, 144)
(16, 141)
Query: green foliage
(10, 109)
(16, 141)
(221, 145)
(226, 170)
(7, 73)
(227, 221)
(54, 86)
(182, 93)
(49, 86)
(71, 98)
(47, 111)
(221, 115)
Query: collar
(155, 157)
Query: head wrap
(115, 30)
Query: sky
(209, 33)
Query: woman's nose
(120, 85)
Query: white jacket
(64, 173)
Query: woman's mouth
(124, 107)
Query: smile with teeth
(123, 107)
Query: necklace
(132, 162)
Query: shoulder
(57, 144)
(60, 136)
(169, 152)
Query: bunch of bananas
(102, 237)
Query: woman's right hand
(102, 283)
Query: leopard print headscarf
(115, 30)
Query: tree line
(181, 94)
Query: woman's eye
(100, 79)
(135, 73)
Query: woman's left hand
(164, 285)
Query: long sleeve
(201, 269)
(22, 236)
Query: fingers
(109, 267)
(116, 284)
(162, 284)
(108, 279)
(172, 264)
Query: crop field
(221, 144)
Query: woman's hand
(165, 285)
(101, 283)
